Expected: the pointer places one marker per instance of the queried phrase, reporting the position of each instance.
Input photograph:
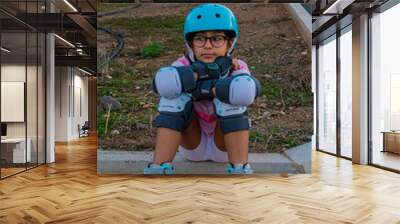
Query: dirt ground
(268, 42)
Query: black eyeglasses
(216, 41)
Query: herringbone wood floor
(70, 191)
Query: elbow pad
(171, 81)
(238, 90)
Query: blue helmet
(208, 17)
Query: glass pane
(13, 86)
(386, 89)
(327, 96)
(346, 93)
(23, 82)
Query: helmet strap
(188, 58)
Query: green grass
(275, 136)
(129, 53)
(257, 136)
(128, 100)
(291, 142)
(152, 50)
(103, 91)
(262, 137)
(279, 20)
(299, 98)
(145, 24)
(273, 130)
(267, 68)
(115, 118)
(271, 90)
(175, 42)
(165, 33)
(105, 7)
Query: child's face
(206, 50)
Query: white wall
(81, 89)
(62, 81)
(71, 92)
(12, 100)
(14, 73)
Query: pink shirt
(204, 109)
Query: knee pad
(238, 90)
(231, 118)
(170, 82)
(175, 113)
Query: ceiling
(74, 22)
(332, 15)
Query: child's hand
(236, 64)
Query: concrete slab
(295, 160)
(301, 157)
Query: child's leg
(235, 143)
(191, 137)
(233, 95)
(166, 144)
(168, 140)
(175, 116)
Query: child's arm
(235, 63)
(180, 77)
(173, 80)
(240, 67)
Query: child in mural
(204, 96)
